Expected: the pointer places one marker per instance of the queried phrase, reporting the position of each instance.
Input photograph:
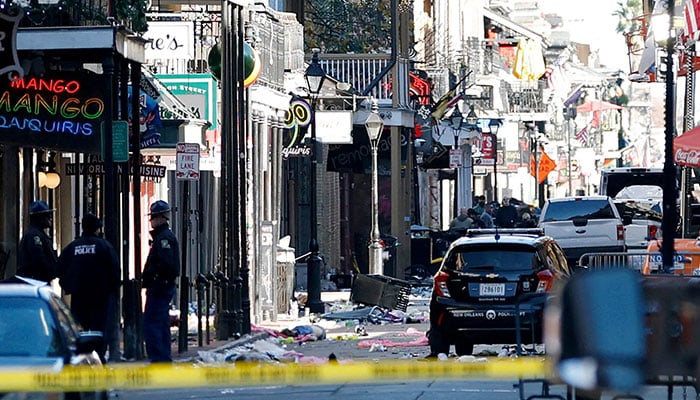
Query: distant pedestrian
(462, 222)
(526, 221)
(507, 215)
(36, 257)
(487, 216)
(159, 274)
(477, 222)
(480, 203)
(88, 270)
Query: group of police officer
(88, 270)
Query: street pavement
(401, 335)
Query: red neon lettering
(51, 85)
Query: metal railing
(685, 263)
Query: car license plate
(492, 289)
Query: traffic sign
(187, 161)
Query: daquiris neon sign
(62, 111)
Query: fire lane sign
(187, 161)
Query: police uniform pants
(156, 324)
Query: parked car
(483, 279)
(37, 330)
(583, 224)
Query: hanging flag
(582, 136)
(545, 165)
(692, 18)
(529, 61)
(451, 97)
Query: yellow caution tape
(152, 376)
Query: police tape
(159, 376)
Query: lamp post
(493, 128)
(456, 123)
(374, 126)
(314, 76)
(467, 173)
(670, 217)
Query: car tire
(464, 348)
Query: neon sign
(62, 110)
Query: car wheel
(464, 348)
(439, 341)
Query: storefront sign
(60, 111)
(196, 91)
(169, 40)
(98, 168)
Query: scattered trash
(377, 347)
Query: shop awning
(518, 29)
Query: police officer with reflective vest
(88, 270)
(36, 257)
(158, 278)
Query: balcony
(46, 13)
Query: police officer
(158, 278)
(36, 257)
(88, 270)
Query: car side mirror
(595, 330)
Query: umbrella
(686, 148)
(597, 105)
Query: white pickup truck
(583, 224)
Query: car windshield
(568, 210)
(493, 258)
(27, 329)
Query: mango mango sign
(61, 111)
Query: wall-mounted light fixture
(47, 176)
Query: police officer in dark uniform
(159, 274)
(36, 257)
(88, 270)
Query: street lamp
(494, 124)
(456, 123)
(374, 126)
(670, 217)
(314, 76)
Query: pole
(568, 155)
(314, 262)
(184, 280)
(688, 123)
(669, 219)
(375, 248)
(495, 168)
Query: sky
(592, 22)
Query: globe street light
(314, 76)
(374, 126)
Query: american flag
(692, 18)
(582, 136)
